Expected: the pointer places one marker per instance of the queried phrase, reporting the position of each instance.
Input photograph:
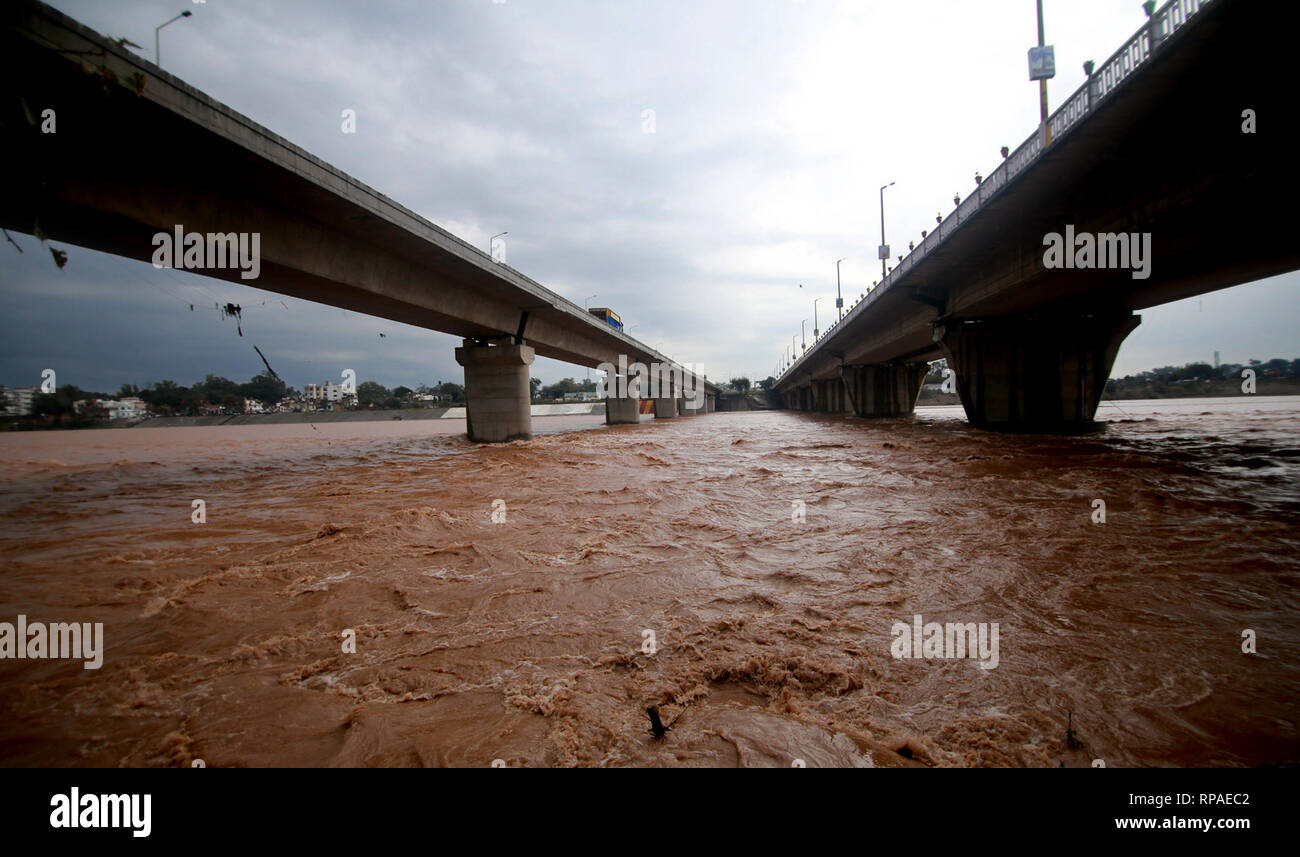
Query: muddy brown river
(388, 593)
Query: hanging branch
(267, 365)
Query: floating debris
(1071, 739)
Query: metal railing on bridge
(1102, 83)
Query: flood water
(523, 640)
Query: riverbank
(317, 417)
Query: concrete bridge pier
(623, 409)
(829, 396)
(883, 389)
(688, 408)
(499, 406)
(665, 409)
(1033, 373)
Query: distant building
(580, 396)
(327, 392)
(128, 408)
(20, 400)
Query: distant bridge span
(123, 167)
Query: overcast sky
(775, 122)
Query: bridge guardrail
(1103, 82)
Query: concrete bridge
(138, 152)
(1154, 144)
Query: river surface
(350, 600)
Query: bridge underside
(1164, 155)
(136, 152)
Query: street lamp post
(156, 56)
(839, 298)
(585, 306)
(815, 327)
(883, 250)
(492, 243)
(1042, 84)
(803, 334)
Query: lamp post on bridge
(803, 334)
(1042, 67)
(585, 305)
(156, 55)
(839, 298)
(815, 327)
(883, 250)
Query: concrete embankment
(353, 416)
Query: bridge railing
(1104, 80)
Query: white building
(20, 400)
(327, 392)
(128, 408)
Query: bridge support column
(817, 395)
(496, 389)
(710, 404)
(883, 389)
(622, 409)
(665, 409)
(1033, 373)
(828, 396)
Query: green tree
(559, 388)
(767, 383)
(454, 392)
(215, 390)
(740, 385)
(400, 392)
(59, 404)
(264, 387)
(165, 396)
(371, 393)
